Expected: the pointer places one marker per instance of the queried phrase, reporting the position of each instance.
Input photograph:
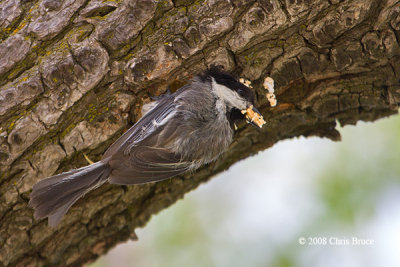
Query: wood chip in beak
(253, 116)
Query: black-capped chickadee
(180, 132)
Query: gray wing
(144, 127)
(138, 156)
(147, 164)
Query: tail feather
(52, 197)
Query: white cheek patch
(230, 97)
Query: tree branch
(74, 75)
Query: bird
(178, 132)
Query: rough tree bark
(74, 74)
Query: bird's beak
(253, 116)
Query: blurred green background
(259, 211)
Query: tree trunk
(74, 74)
